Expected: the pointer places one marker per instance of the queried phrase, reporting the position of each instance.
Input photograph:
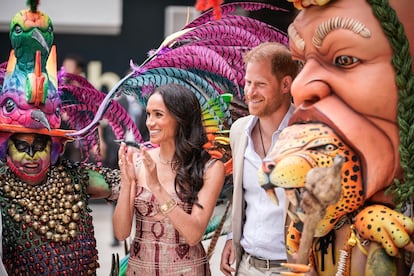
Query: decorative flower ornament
(302, 4)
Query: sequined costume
(47, 228)
(46, 223)
(157, 248)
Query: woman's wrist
(168, 206)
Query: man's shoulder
(241, 123)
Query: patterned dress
(157, 248)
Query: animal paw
(387, 227)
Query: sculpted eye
(300, 64)
(10, 105)
(57, 112)
(346, 61)
(330, 147)
(325, 148)
(18, 29)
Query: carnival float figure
(47, 226)
(354, 111)
(46, 221)
(354, 100)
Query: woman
(173, 188)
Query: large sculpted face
(348, 82)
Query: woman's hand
(150, 170)
(126, 164)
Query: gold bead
(68, 212)
(44, 218)
(6, 189)
(65, 219)
(81, 204)
(36, 225)
(11, 212)
(17, 217)
(56, 238)
(60, 229)
(76, 216)
(67, 205)
(73, 226)
(65, 237)
(52, 224)
(36, 211)
(44, 229)
(72, 233)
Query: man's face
(29, 155)
(262, 88)
(348, 78)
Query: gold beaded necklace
(52, 209)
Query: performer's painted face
(29, 157)
(349, 79)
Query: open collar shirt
(263, 231)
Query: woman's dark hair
(189, 158)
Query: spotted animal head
(302, 147)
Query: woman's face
(29, 157)
(160, 122)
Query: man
(357, 79)
(257, 246)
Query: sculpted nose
(268, 166)
(310, 86)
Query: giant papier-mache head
(373, 41)
(29, 96)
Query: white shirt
(263, 231)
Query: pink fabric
(157, 248)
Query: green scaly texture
(402, 191)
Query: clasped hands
(129, 160)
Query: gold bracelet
(168, 206)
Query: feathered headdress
(206, 56)
(33, 95)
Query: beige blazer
(238, 143)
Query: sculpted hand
(387, 227)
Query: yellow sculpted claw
(385, 226)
